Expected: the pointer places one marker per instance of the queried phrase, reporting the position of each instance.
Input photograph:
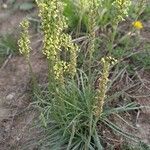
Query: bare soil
(16, 115)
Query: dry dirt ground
(16, 116)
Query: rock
(4, 6)
(10, 96)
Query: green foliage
(146, 13)
(67, 116)
(70, 110)
(106, 13)
(142, 60)
(71, 14)
(118, 52)
(8, 45)
(139, 10)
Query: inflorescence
(55, 40)
(24, 41)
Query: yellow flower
(137, 24)
(24, 41)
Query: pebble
(4, 6)
(10, 96)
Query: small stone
(10, 96)
(18, 138)
(4, 6)
(137, 125)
